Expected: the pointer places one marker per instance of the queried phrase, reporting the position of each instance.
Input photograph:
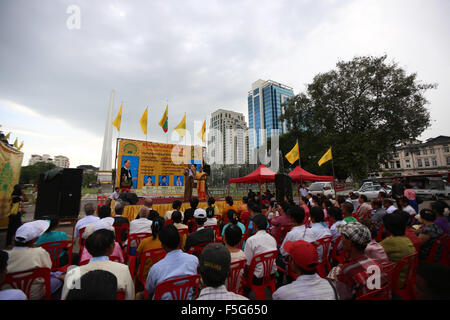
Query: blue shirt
(176, 264)
(52, 236)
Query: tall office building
(264, 110)
(228, 141)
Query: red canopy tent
(300, 174)
(261, 175)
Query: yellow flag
(16, 144)
(181, 128)
(144, 121)
(7, 136)
(116, 123)
(326, 157)
(21, 145)
(201, 134)
(294, 154)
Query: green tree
(30, 174)
(363, 109)
(89, 178)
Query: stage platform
(162, 205)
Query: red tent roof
(260, 175)
(299, 174)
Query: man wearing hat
(303, 259)
(353, 275)
(215, 262)
(25, 256)
(106, 224)
(202, 234)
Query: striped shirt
(354, 276)
(306, 287)
(219, 293)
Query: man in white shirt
(405, 206)
(388, 204)
(87, 220)
(318, 228)
(260, 242)
(303, 260)
(336, 219)
(299, 231)
(100, 245)
(115, 195)
(303, 190)
(142, 224)
(176, 206)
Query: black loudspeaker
(207, 169)
(59, 194)
(129, 197)
(283, 186)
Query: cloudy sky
(195, 55)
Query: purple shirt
(443, 223)
(277, 222)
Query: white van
(324, 188)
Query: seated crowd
(318, 249)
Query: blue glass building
(265, 108)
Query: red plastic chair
(136, 238)
(183, 235)
(379, 236)
(154, 255)
(234, 277)
(178, 288)
(169, 221)
(54, 249)
(324, 267)
(120, 295)
(192, 225)
(281, 233)
(337, 255)
(101, 200)
(268, 280)
(23, 280)
(243, 239)
(384, 293)
(408, 265)
(118, 230)
(198, 248)
(216, 232)
(441, 244)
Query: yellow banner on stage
(10, 165)
(156, 169)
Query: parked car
(371, 191)
(324, 188)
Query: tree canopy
(30, 174)
(363, 109)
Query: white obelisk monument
(105, 171)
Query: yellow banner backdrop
(157, 169)
(10, 165)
